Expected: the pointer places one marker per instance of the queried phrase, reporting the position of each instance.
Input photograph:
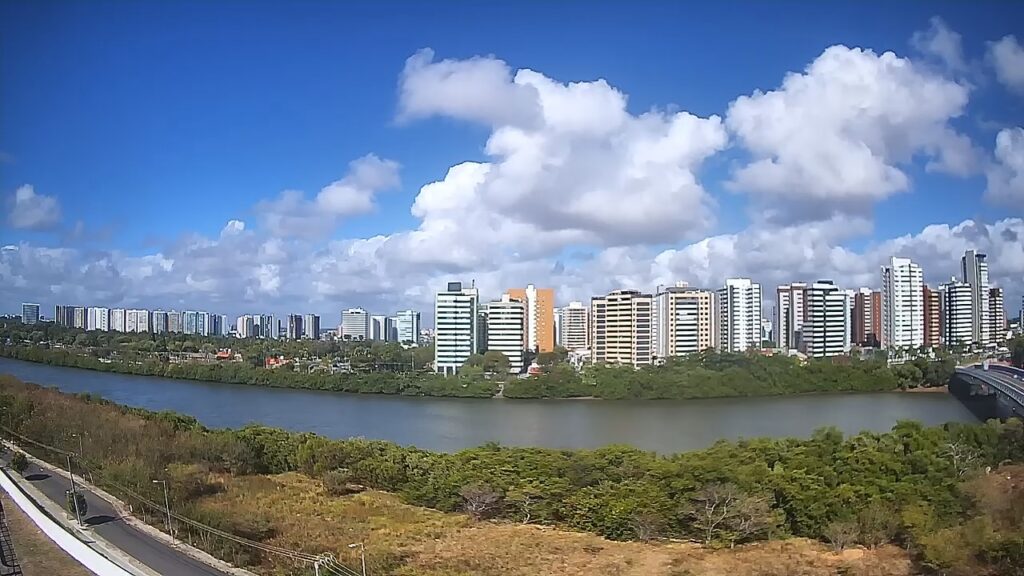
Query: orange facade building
(540, 317)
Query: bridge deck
(1005, 380)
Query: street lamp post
(167, 506)
(74, 492)
(362, 554)
(81, 450)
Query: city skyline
(439, 161)
(779, 311)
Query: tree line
(922, 488)
(706, 375)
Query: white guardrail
(91, 559)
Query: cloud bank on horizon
(577, 192)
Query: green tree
(495, 362)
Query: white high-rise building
(174, 322)
(159, 322)
(79, 317)
(311, 327)
(380, 328)
(355, 324)
(902, 304)
(117, 320)
(407, 327)
(245, 326)
(739, 315)
(684, 320)
(506, 329)
(827, 329)
(790, 315)
(573, 326)
(457, 327)
(957, 316)
(136, 320)
(195, 322)
(974, 269)
(98, 319)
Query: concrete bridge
(1000, 387)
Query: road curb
(126, 515)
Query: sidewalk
(84, 534)
(122, 513)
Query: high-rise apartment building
(79, 317)
(957, 314)
(996, 316)
(574, 326)
(867, 317)
(29, 313)
(407, 326)
(457, 327)
(974, 269)
(540, 316)
(61, 315)
(506, 327)
(622, 328)
(245, 326)
(902, 304)
(195, 322)
(826, 332)
(118, 317)
(355, 324)
(380, 328)
(159, 322)
(294, 326)
(739, 315)
(932, 317)
(684, 320)
(790, 315)
(218, 325)
(311, 327)
(174, 322)
(136, 320)
(97, 318)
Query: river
(449, 424)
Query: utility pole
(74, 492)
(167, 507)
(362, 554)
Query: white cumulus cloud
(1006, 173)
(567, 163)
(833, 138)
(941, 43)
(1007, 56)
(291, 214)
(32, 211)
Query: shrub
(339, 483)
(19, 462)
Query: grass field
(37, 554)
(406, 540)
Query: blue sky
(151, 125)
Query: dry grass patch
(411, 541)
(37, 554)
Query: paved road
(104, 521)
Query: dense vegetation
(388, 369)
(905, 486)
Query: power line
(326, 561)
